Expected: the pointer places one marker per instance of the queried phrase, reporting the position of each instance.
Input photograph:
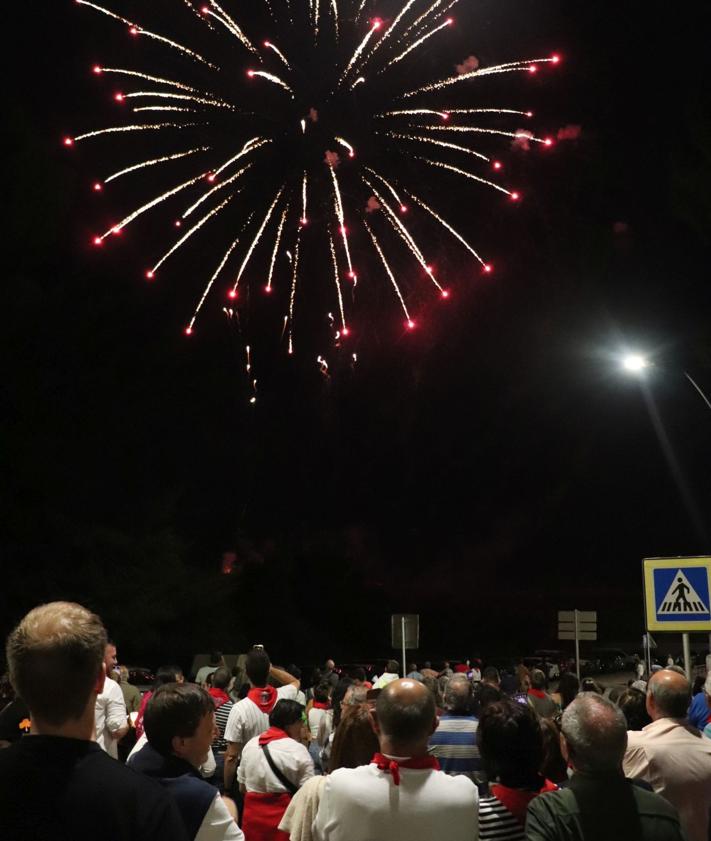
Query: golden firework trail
(275, 250)
(338, 204)
(215, 274)
(509, 67)
(337, 281)
(436, 142)
(232, 26)
(98, 69)
(248, 147)
(271, 77)
(122, 129)
(389, 271)
(186, 236)
(447, 226)
(257, 237)
(219, 103)
(292, 294)
(154, 161)
(220, 186)
(417, 44)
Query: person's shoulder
(561, 801)
(650, 803)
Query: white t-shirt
(110, 716)
(218, 824)
(385, 679)
(363, 804)
(246, 720)
(289, 756)
(315, 716)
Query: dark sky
(485, 472)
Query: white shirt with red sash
(250, 716)
(397, 799)
(266, 797)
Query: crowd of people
(463, 753)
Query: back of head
(633, 704)
(487, 694)
(355, 741)
(358, 673)
(458, 695)
(568, 688)
(322, 692)
(175, 709)
(257, 666)
(538, 679)
(491, 675)
(285, 713)
(123, 672)
(405, 711)
(595, 732)
(671, 694)
(511, 744)
(55, 658)
(216, 658)
(393, 667)
(221, 678)
(165, 674)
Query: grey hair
(458, 693)
(671, 701)
(595, 730)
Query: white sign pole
(404, 667)
(577, 646)
(687, 656)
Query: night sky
(484, 471)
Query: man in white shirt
(673, 757)
(391, 673)
(180, 727)
(402, 794)
(250, 716)
(110, 715)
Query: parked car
(611, 659)
(141, 677)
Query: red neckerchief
(516, 800)
(264, 697)
(393, 766)
(219, 696)
(537, 693)
(272, 735)
(321, 705)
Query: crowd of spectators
(463, 753)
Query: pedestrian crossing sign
(677, 594)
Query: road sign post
(577, 625)
(405, 633)
(677, 597)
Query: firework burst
(276, 107)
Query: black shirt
(58, 789)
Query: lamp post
(637, 364)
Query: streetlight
(637, 364)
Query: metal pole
(687, 656)
(404, 668)
(577, 647)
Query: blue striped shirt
(454, 745)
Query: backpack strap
(288, 785)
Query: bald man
(402, 794)
(671, 755)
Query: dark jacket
(192, 795)
(595, 808)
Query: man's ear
(374, 722)
(177, 743)
(565, 750)
(100, 679)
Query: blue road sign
(677, 594)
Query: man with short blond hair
(57, 784)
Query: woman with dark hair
(568, 688)
(633, 703)
(272, 769)
(164, 675)
(511, 746)
(354, 744)
(318, 709)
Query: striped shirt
(222, 713)
(454, 745)
(246, 720)
(496, 823)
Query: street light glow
(634, 363)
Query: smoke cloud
(332, 159)
(373, 205)
(469, 65)
(522, 140)
(571, 132)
